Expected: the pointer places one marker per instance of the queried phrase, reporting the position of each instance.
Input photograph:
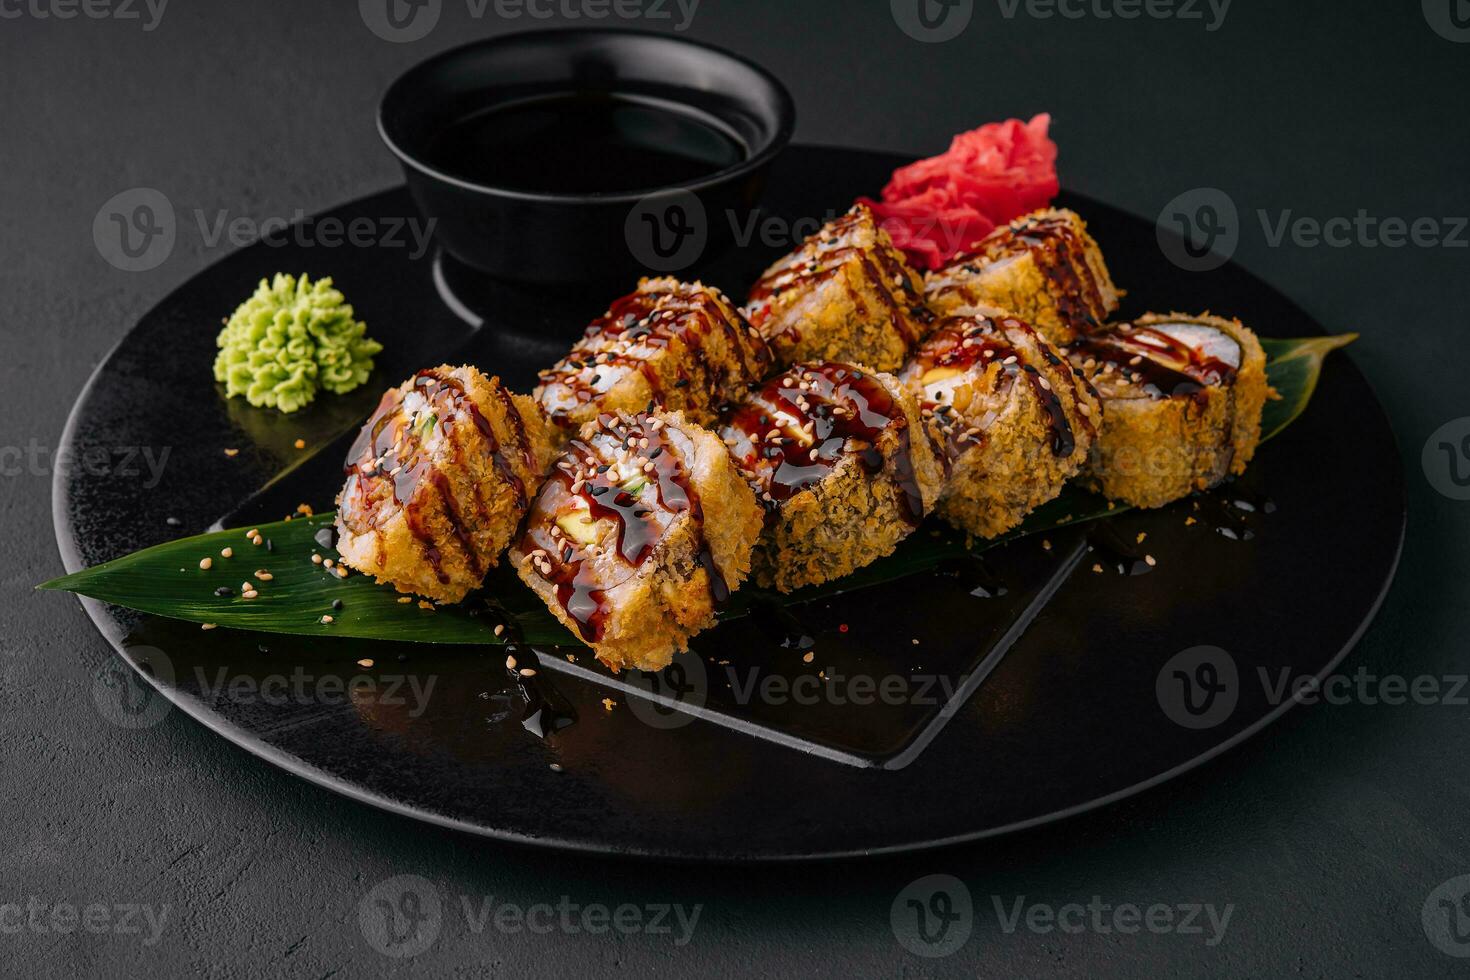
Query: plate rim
(96, 612)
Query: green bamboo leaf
(1293, 367)
(166, 580)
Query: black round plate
(1085, 708)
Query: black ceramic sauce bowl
(585, 235)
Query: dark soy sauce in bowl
(585, 143)
(582, 158)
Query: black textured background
(1327, 834)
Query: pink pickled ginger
(937, 208)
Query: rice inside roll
(1182, 400)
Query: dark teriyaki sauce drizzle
(546, 711)
(1059, 253)
(1145, 346)
(1109, 544)
(640, 519)
(778, 623)
(962, 341)
(974, 576)
(385, 452)
(848, 412)
(822, 259)
(657, 318)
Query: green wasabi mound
(289, 339)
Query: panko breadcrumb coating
(643, 528)
(438, 481)
(1044, 267)
(845, 295)
(670, 344)
(1013, 419)
(1182, 399)
(843, 464)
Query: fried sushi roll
(841, 460)
(438, 481)
(1044, 267)
(1182, 399)
(675, 345)
(643, 528)
(1011, 416)
(845, 295)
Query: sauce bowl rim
(760, 156)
